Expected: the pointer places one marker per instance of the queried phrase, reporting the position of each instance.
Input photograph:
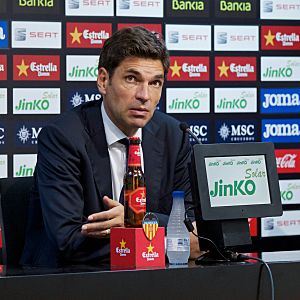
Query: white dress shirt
(117, 152)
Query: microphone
(185, 128)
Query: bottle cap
(178, 194)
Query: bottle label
(134, 156)
(178, 244)
(137, 200)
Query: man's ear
(102, 80)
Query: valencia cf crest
(150, 225)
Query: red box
(129, 248)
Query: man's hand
(100, 223)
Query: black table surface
(241, 281)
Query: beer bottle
(134, 186)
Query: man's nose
(142, 92)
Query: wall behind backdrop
(234, 76)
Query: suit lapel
(97, 150)
(153, 149)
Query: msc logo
(87, 35)
(2, 135)
(189, 68)
(281, 130)
(79, 96)
(280, 37)
(27, 134)
(201, 130)
(3, 35)
(280, 100)
(235, 131)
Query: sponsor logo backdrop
(234, 75)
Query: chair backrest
(14, 201)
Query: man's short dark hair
(133, 42)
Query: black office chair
(14, 201)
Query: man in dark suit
(80, 164)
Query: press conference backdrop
(234, 76)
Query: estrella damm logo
(88, 35)
(122, 250)
(3, 67)
(36, 67)
(280, 37)
(189, 68)
(150, 255)
(235, 68)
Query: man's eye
(157, 83)
(130, 78)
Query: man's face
(130, 96)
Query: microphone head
(183, 126)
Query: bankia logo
(187, 100)
(3, 101)
(36, 34)
(3, 67)
(287, 160)
(188, 8)
(24, 165)
(236, 131)
(82, 67)
(235, 68)
(140, 8)
(3, 166)
(89, 7)
(280, 68)
(36, 101)
(2, 134)
(280, 9)
(290, 191)
(235, 100)
(87, 35)
(235, 8)
(36, 6)
(202, 130)
(189, 68)
(3, 34)
(188, 37)
(155, 28)
(281, 130)
(79, 96)
(27, 133)
(280, 101)
(36, 67)
(236, 38)
(280, 37)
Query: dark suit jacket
(73, 174)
